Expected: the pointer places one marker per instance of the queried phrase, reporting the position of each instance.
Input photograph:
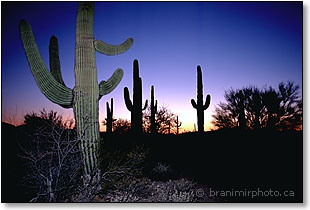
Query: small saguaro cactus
(84, 97)
(153, 111)
(178, 125)
(135, 106)
(199, 105)
(109, 118)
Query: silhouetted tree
(271, 101)
(286, 111)
(33, 120)
(231, 114)
(253, 108)
(164, 119)
(121, 126)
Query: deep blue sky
(236, 44)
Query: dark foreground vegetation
(228, 165)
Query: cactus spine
(199, 105)
(153, 111)
(84, 98)
(178, 125)
(110, 120)
(135, 106)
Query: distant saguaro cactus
(84, 98)
(199, 105)
(153, 111)
(178, 125)
(135, 107)
(109, 119)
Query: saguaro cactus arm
(145, 105)
(105, 87)
(208, 99)
(50, 87)
(194, 103)
(108, 49)
(127, 99)
(54, 60)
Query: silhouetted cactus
(153, 111)
(199, 105)
(135, 106)
(109, 119)
(84, 98)
(178, 125)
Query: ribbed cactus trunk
(84, 98)
(135, 107)
(199, 105)
(109, 126)
(86, 91)
(153, 111)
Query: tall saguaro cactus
(109, 119)
(84, 97)
(135, 106)
(153, 110)
(199, 105)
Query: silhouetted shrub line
(251, 108)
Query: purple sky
(236, 44)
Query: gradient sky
(236, 44)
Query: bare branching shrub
(52, 156)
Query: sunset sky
(236, 44)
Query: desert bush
(52, 157)
(123, 166)
(162, 168)
(162, 171)
(146, 190)
(254, 108)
